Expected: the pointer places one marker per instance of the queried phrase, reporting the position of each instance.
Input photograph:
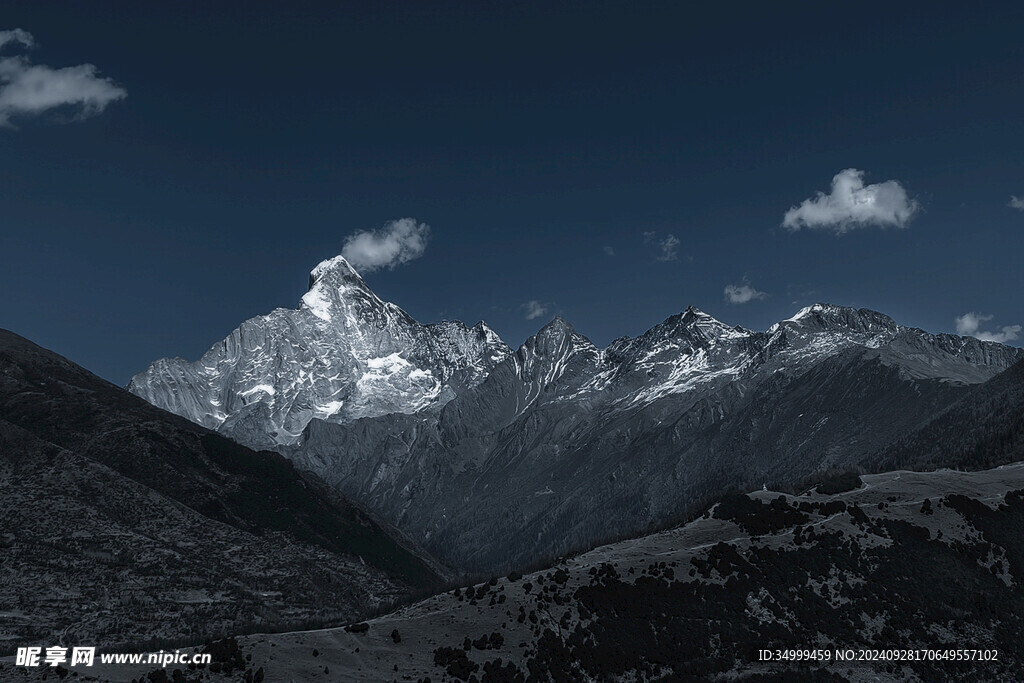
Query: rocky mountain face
(124, 523)
(898, 560)
(343, 354)
(564, 444)
(511, 457)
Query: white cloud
(1016, 202)
(534, 309)
(28, 89)
(395, 243)
(852, 204)
(741, 294)
(969, 323)
(609, 251)
(16, 36)
(666, 246)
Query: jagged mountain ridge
(341, 355)
(561, 443)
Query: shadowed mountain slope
(122, 521)
(563, 444)
(983, 429)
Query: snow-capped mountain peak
(558, 328)
(843, 318)
(692, 312)
(554, 344)
(338, 295)
(342, 354)
(486, 334)
(709, 327)
(334, 268)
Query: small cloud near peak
(390, 246)
(667, 247)
(743, 293)
(969, 325)
(534, 309)
(851, 204)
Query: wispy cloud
(28, 89)
(609, 251)
(1016, 202)
(743, 293)
(394, 244)
(667, 248)
(534, 309)
(851, 204)
(16, 36)
(969, 324)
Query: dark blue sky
(253, 139)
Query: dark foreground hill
(122, 522)
(924, 568)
